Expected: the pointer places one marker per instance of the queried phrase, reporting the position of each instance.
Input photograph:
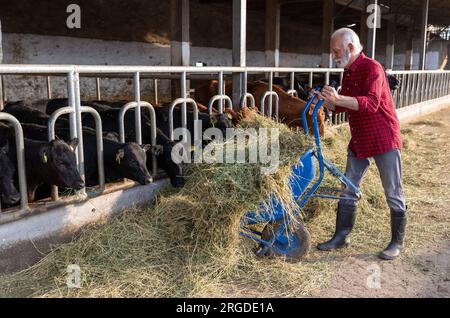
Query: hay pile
(187, 243)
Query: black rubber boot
(398, 226)
(345, 220)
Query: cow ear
(120, 155)
(73, 143)
(146, 147)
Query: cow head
(60, 161)
(173, 170)
(9, 194)
(221, 122)
(131, 160)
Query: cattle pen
(147, 80)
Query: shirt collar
(355, 64)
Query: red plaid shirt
(374, 127)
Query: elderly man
(375, 131)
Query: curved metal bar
(51, 135)
(292, 92)
(99, 140)
(137, 113)
(277, 103)
(220, 98)
(151, 110)
(305, 111)
(20, 149)
(244, 100)
(179, 101)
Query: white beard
(343, 62)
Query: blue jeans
(389, 165)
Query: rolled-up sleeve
(370, 97)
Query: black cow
(219, 121)
(8, 191)
(51, 162)
(109, 112)
(121, 160)
(27, 114)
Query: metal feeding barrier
(415, 87)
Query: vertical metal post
(239, 50)
(292, 81)
(372, 35)
(184, 106)
(155, 90)
(72, 102)
(311, 77)
(137, 111)
(270, 97)
(49, 87)
(97, 86)
(220, 91)
(327, 78)
(423, 35)
(80, 148)
(1, 93)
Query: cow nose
(79, 185)
(148, 180)
(179, 181)
(11, 199)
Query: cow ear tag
(44, 158)
(119, 156)
(229, 116)
(192, 148)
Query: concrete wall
(42, 49)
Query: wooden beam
(409, 48)
(272, 36)
(179, 42)
(390, 45)
(327, 31)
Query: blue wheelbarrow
(284, 235)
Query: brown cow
(290, 108)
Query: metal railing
(415, 87)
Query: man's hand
(330, 95)
(320, 96)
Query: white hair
(348, 36)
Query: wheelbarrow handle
(305, 111)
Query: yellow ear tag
(229, 116)
(45, 158)
(192, 148)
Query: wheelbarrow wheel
(292, 245)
